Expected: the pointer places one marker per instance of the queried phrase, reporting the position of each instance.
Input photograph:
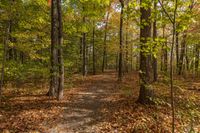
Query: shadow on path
(83, 112)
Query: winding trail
(83, 112)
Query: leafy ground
(99, 104)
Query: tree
(57, 66)
(173, 21)
(121, 42)
(104, 63)
(155, 73)
(145, 34)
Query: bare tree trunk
(177, 50)
(53, 69)
(93, 49)
(116, 61)
(127, 52)
(81, 54)
(121, 42)
(127, 40)
(182, 54)
(84, 49)
(4, 59)
(197, 52)
(60, 52)
(155, 72)
(105, 42)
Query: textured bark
(145, 33)
(57, 65)
(60, 52)
(53, 70)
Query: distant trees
(93, 36)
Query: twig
(171, 20)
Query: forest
(99, 66)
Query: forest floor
(99, 104)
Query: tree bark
(84, 51)
(105, 42)
(145, 33)
(155, 72)
(121, 42)
(60, 52)
(53, 69)
(182, 54)
(93, 49)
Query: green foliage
(25, 72)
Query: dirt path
(83, 111)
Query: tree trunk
(126, 49)
(105, 43)
(81, 55)
(177, 50)
(93, 49)
(155, 73)
(116, 61)
(4, 59)
(127, 40)
(121, 42)
(182, 54)
(60, 52)
(145, 33)
(84, 48)
(197, 52)
(53, 69)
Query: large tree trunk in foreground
(57, 65)
(145, 33)
(53, 69)
(60, 52)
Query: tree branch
(171, 20)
